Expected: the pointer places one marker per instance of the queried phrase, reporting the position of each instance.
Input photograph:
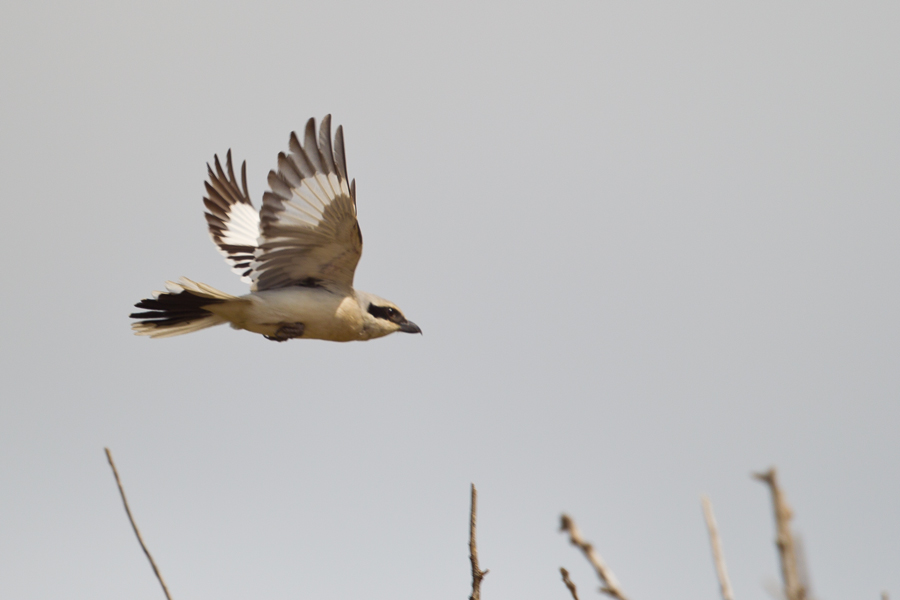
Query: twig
(608, 581)
(802, 568)
(477, 573)
(793, 588)
(134, 525)
(716, 543)
(568, 582)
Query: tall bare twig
(568, 582)
(716, 543)
(793, 587)
(134, 525)
(609, 583)
(477, 573)
(802, 568)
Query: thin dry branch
(790, 574)
(134, 525)
(716, 543)
(477, 573)
(568, 582)
(802, 569)
(609, 583)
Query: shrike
(298, 253)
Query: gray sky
(652, 248)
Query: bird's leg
(287, 331)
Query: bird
(298, 252)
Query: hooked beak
(409, 327)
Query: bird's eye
(385, 312)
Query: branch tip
(716, 544)
(794, 587)
(610, 584)
(477, 573)
(569, 584)
(134, 526)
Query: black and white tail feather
(180, 309)
(305, 237)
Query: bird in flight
(298, 253)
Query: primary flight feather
(298, 253)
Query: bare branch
(610, 585)
(718, 555)
(477, 573)
(793, 587)
(134, 525)
(568, 582)
(802, 568)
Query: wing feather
(310, 147)
(308, 227)
(325, 150)
(305, 232)
(232, 220)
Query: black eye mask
(387, 313)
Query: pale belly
(325, 315)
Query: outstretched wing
(233, 222)
(308, 230)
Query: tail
(180, 309)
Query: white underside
(325, 315)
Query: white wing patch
(233, 222)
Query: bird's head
(382, 317)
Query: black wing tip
(225, 184)
(244, 182)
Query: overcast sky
(652, 248)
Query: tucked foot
(287, 331)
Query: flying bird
(298, 253)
